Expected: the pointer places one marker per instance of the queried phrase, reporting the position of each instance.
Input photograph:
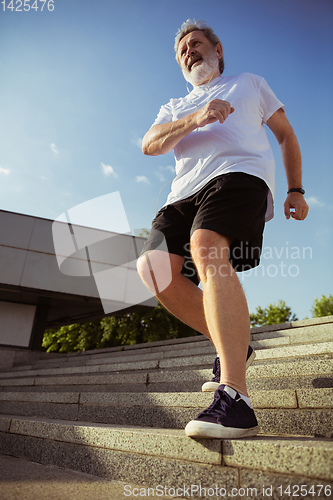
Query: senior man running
(216, 211)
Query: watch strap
(296, 190)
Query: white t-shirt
(240, 144)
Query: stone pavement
(24, 480)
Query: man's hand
(295, 206)
(161, 139)
(216, 110)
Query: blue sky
(81, 84)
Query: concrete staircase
(120, 415)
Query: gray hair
(193, 25)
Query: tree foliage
(119, 330)
(273, 314)
(322, 307)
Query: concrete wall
(16, 323)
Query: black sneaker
(215, 382)
(228, 417)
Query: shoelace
(221, 401)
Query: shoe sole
(212, 386)
(197, 429)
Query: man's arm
(161, 139)
(295, 205)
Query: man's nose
(190, 53)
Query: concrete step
(303, 412)
(315, 371)
(26, 480)
(287, 373)
(168, 458)
(310, 365)
(297, 333)
(183, 361)
(81, 411)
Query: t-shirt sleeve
(165, 114)
(268, 101)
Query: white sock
(246, 399)
(233, 393)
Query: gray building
(53, 273)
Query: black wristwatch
(296, 190)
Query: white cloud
(312, 201)
(137, 142)
(142, 178)
(108, 170)
(5, 171)
(170, 168)
(54, 148)
(160, 176)
(161, 170)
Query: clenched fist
(215, 110)
(295, 207)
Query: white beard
(201, 71)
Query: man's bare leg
(225, 305)
(181, 297)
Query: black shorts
(232, 204)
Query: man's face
(198, 59)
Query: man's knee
(157, 269)
(209, 245)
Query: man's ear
(219, 50)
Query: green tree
(144, 233)
(77, 337)
(131, 328)
(322, 307)
(143, 326)
(273, 314)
